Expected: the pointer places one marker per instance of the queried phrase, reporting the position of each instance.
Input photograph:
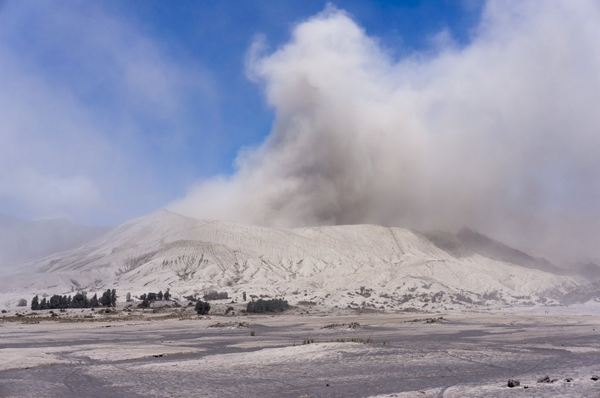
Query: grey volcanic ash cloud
(501, 134)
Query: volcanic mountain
(357, 265)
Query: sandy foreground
(301, 355)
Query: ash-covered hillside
(360, 266)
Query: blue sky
(113, 109)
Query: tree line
(79, 300)
(261, 306)
(151, 297)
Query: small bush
(145, 303)
(351, 325)
(202, 307)
(253, 333)
(262, 306)
(307, 303)
(22, 303)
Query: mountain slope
(359, 265)
(468, 242)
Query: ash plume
(501, 134)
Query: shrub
(22, 303)
(202, 307)
(145, 303)
(261, 306)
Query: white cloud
(88, 102)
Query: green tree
(63, 302)
(113, 298)
(80, 300)
(105, 299)
(94, 301)
(35, 303)
(159, 296)
(54, 302)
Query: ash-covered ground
(301, 355)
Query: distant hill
(22, 241)
(468, 242)
(588, 270)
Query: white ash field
(376, 312)
(319, 354)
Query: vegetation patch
(202, 307)
(307, 303)
(214, 295)
(261, 306)
(357, 340)
(349, 326)
(427, 320)
(233, 325)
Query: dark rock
(545, 379)
(595, 378)
(568, 379)
(513, 383)
(553, 380)
(525, 386)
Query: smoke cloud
(501, 134)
